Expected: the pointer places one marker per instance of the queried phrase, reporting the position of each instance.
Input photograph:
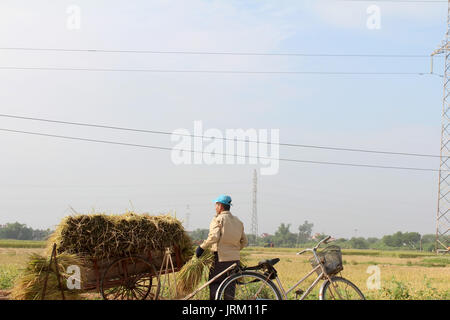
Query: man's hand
(198, 252)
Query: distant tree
(253, 240)
(387, 240)
(394, 240)
(428, 247)
(41, 234)
(428, 242)
(283, 237)
(319, 236)
(399, 239)
(428, 238)
(304, 232)
(16, 231)
(266, 240)
(359, 243)
(411, 239)
(341, 242)
(199, 234)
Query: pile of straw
(194, 272)
(30, 284)
(82, 237)
(105, 236)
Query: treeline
(20, 231)
(304, 237)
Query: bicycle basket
(331, 257)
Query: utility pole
(186, 219)
(254, 212)
(442, 220)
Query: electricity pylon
(442, 220)
(187, 218)
(254, 212)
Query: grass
(9, 243)
(17, 256)
(347, 252)
(416, 276)
(12, 261)
(399, 290)
(8, 273)
(436, 262)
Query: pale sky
(42, 177)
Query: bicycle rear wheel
(341, 289)
(248, 286)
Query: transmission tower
(254, 212)
(186, 219)
(442, 220)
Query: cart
(134, 277)
(138, 278)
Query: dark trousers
(217, 268)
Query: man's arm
(214, 234)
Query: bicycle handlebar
(303, 251)
(325, 240)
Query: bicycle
(255, 283)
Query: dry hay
(196, 271)
(4, 294)
(80, 238)
(30, 283)
(193, 272)
(104, 236)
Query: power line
(229, 53)
(217, 71)
(8, 185)
(399, 1)
(223, 138)
(220, 154)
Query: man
(226, 238)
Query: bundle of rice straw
(30, 283)
(105, 236)
(194, 272)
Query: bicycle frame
(322, 275)
(285, 293)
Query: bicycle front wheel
(341, 289)
(248, 286)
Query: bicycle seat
(270, 262)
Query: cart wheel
(131, 278)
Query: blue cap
(223, 199)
